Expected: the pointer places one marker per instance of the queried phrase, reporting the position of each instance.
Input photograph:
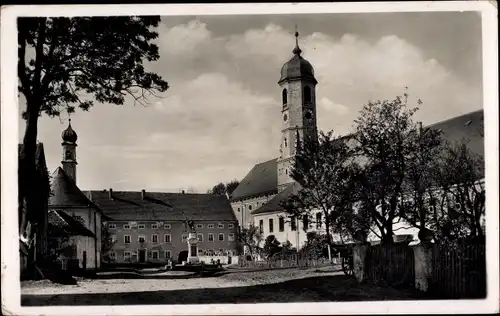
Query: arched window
(284, 96)
(286, 143)
(68, 155)
(307, 94)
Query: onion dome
(297, 67)
(69, 135)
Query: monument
(192, 241)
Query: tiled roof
(65, 192)
(64, 225)
(262, 179)
(257, 182)
(274, 205)
(130, 206)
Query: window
(305, 222)
(293, 224)
(199, 225)
(284, 96)
(127, 239)
(238, 209)
(249, 207)
(154, 238)
(141, 226)
(221, 237)
(68, 155)
(200, 237)
(307, 94)
(126, 226)
(220, 225)
(113, 238)
(156, 254)
(184, 237)
(286, 143)
(126, 255)
(167, 226)
(210, 226)
(167, 238)
(112, 226)
(142, 239)
(318, 220)
(261, 226)
(154, 226)
(282, 224)
(230, 226)
(200, 250)
(112, 255)
(230, 237)
(271, 225)
(167, 254)
(210, 237)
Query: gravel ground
(235, 286)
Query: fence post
(423, 265)
(360, 252)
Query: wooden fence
(391, 264)
(280, 261)
(459, 271)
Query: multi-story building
(257, 199)
(152, 226)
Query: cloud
(222, 112)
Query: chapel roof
(63, 225)
(152, 206)
(261, 180)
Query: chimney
(143, 194)
(110, 193)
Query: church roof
(297, 67)
(62, 225)
(274, 205)
(257, 182)
(261, 180)
(66, 194)
(137, 206)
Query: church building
(256, 201)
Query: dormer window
(284, 96)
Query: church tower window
(284, 96)
(307, 94)
(68, 155)
(286, 143)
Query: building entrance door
(142, 255)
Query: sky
(222, 115)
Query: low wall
(223, 259)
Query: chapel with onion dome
(68, 162)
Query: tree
(65, 62)
(385, 140)
(224, 188)
(316, 245)
(106, 242)
(458, 176)
(271, 246)
(250, 238)
(323, 171)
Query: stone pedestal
(423, 266)
(359, 260)
(192, 242)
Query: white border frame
(9, 132)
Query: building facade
(257, 198)
(151, 227)
(68, 198)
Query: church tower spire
(298, 91)
(68, 162)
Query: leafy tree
(385, 139)
(316, 245)
(323, 171)
(224, 188)
(106, 242)
(250, 238)
(64, 63)
(271, 246)
(458, 175)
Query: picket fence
(391, 264)
(459, 271)
(280, 261)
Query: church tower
(298, 113)
(69, 163)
